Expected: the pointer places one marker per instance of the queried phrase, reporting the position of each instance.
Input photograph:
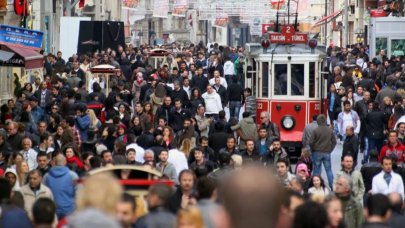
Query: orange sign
(288, 36)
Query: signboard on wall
(21, 36)
(160, 8)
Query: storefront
(19, 55)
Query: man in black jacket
(369, 170)
(179, 93)
(221, 90)
(235, 98)
(361, 108)
(164, 110)
(375, 125)
(178, 115)
(351, 145)
(199, 80)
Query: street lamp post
(326, 25)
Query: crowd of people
(228, 170)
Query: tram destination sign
(288, 36)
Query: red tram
(285, 74)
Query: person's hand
(185, 200)
(105, 132)
(29, 108)
(271, 147)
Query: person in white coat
(387, 181)
(212, 101)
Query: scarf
(76, 160)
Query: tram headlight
(288, 122)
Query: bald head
(395, 201)
(60, 160)
(252, 202)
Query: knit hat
(303, 167)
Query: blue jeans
(320, 158)
(234, 107)
(373, 144)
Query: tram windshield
(289, 81)
(280, 80)
(297, 79)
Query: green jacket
(352, 212)
(358, 184)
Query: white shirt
(223, 82)
(212, 102)
(178, 159)
(347, 120)
(188, 90)
(379, 184)
(30, 157)
(139, 152)
(229, 68)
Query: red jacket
(398, 152)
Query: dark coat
(375, 124)
(235, 92)
(200, 82)
(176, 119)
(182, 95)
(368, 171)
(217, 141)
(223, 94)
(48, 99)
(337, 107)
(351, 146)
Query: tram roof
(255, 50)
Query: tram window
(398, 47)
(381, 43)
(297, 79)
(265, 79)
(280, 79)
(311, 79)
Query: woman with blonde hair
(186, 147)
(94, 200)
(95, 123)
(22, 172)
(189, 218)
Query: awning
(328, 18)
(23, 57)
(5, 55)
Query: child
(306, 159)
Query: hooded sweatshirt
(61, 182)
(323, 139)
(212, 102)
(13, 171)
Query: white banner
(160, 8)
